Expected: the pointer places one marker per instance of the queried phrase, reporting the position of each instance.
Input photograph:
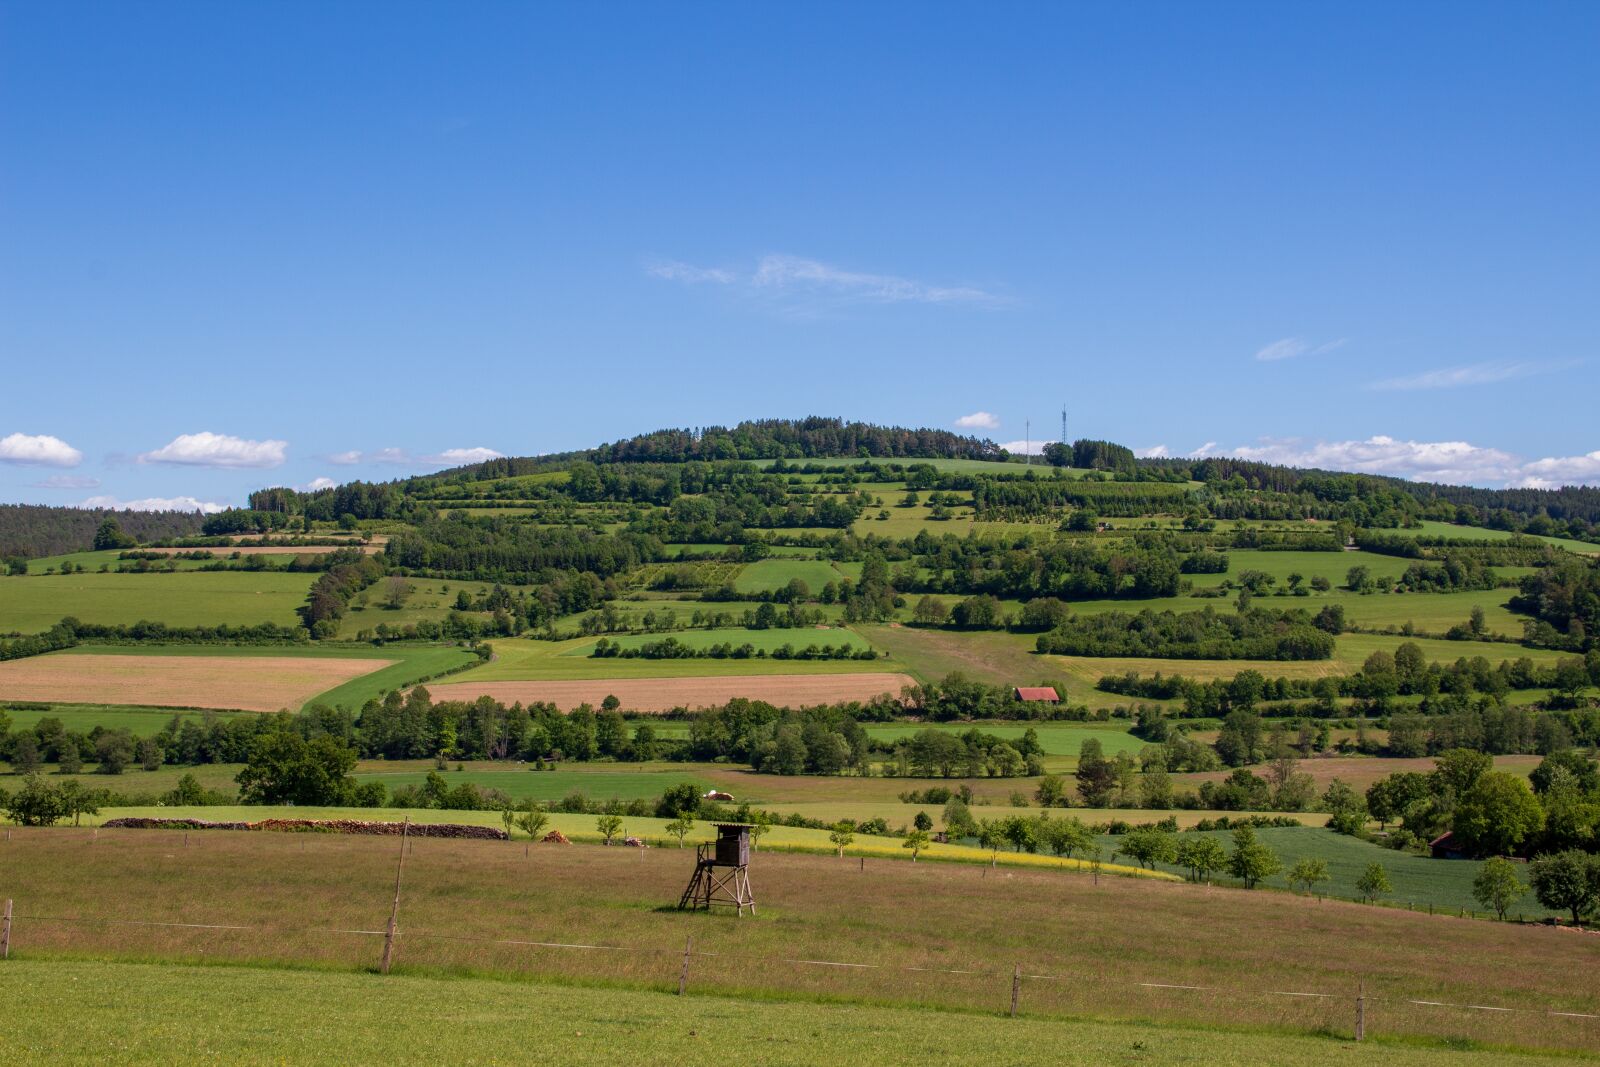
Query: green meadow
(186, 598)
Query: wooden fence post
(1361, 1010)
(683, 975)
(1016, 987)
(5, 932)
(394, 912)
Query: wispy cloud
(1025, 448)
(399, 457)
(978, 420)
(1153, 452)
(207, 449)
(788, 278)
(1453, 462)
(66, 481)
(1469, 374)
(1294, 347)
(673, 271)
(319, 483)
(155, 503)
(38, 450)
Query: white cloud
(796, 278)
(320, 483)
(155, 503)
(1553, 472)
(1291, 347)
(978, 420)
(206, 449)
(1471, 374)
(458, 457)
(1025, 448)
(1451, 462)
(1431, 461)
(38, 450)
(399, 457)
(66, 481)
(1153, 452)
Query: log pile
(317, 826)
(555, 837)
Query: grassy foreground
(261, 1015)
(940, 936)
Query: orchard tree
(916, 841)
(680, 827)
(1252, 862)
(1202, 854)
(1373, 883)
(1308, 873)
(609, 826)
(842, 835)
(1567, 881)
(1497, 886)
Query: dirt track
(664, 694)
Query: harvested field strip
(664, 694)
(244, 683)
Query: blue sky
(254, 244)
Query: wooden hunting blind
(722, 872)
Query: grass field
(343, 1018)
(619, 781)
(1358, 772)
(770, 575)
(761, 640)
(521, 659)
(431, 600)
(1418, 880)
(1479, 533)
(1330, 565)
(639, 691)
(139, 721)
(186, 598)
(965, 925)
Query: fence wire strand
(803, 962)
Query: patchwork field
(247, 683)
(186, 598)
(666, 693)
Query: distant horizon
(1351, 238)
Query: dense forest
(31, 530)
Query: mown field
(186, 598)
(239, 1014)
(252, 678)
(761, 640)
(939, 935)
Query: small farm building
(1038, 694)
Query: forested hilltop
(29, 530)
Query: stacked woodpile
(555, 837)
(317, 826)
(171, 824)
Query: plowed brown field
(246, 683)
(664, 694)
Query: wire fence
(1014, 989)
(1356, 1006)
